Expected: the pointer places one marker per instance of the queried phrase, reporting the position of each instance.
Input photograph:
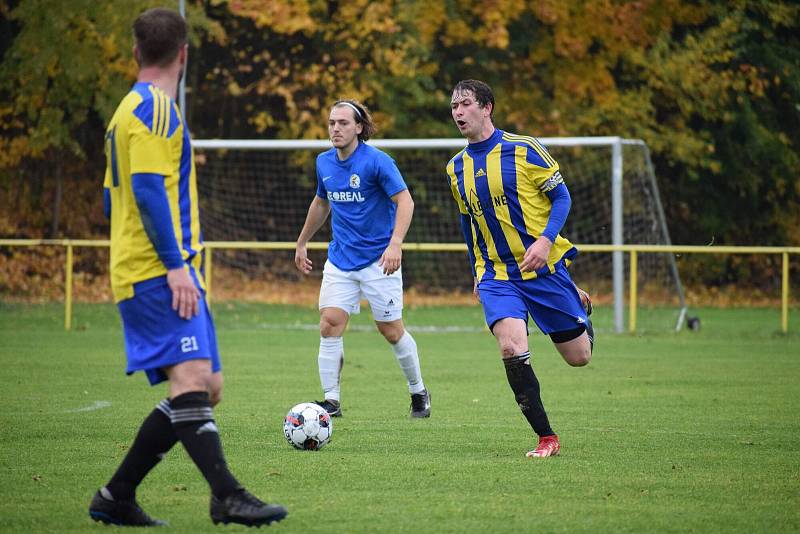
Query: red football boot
(548, 446)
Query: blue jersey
(359, 190)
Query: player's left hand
(391, 258)
(536, 255)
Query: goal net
(255, 196)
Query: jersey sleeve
(149, 153)
(543, 170)
(111, 178)
(389, 175)
(451, 177)
(561, 203)
(321, 190)
(151, 199)
(155, 121)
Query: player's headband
(348, 104)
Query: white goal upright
(259, 191)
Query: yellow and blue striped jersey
(147, 135)
(501, 184)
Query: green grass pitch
(662, 432)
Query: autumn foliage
(712, 87)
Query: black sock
(194, 425)
(525, 386)
(154, 439)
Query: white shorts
(345, 289)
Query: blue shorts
(552, 301)
(156, 336)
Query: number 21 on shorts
(189, 344)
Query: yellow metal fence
(632, 250)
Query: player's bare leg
(576, 352)
(215, 389)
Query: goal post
(649, 173)
(259, 190)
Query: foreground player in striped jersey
(513, 204)
(157, 282)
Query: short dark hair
(361, 115)
(481, 90)
(160, 33)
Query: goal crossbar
(614, 143)
(324, 144)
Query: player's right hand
(185, 295)
(536, 256)
(301, 261)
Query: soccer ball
(307, 426)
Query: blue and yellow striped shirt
(501, 184)
(146, 135)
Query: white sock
(330, 361)
(405, 350)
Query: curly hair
(480, 90)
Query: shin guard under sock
(193, 421)
(154, 439)
(525, 386)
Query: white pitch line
(370, 328)
(96, 405)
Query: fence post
(68, 288)
(633, 292)
(208, 275)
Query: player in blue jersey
(157, 282)
(371, 211)
(513, 204)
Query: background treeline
(712, 87)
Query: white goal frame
(613, 142)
